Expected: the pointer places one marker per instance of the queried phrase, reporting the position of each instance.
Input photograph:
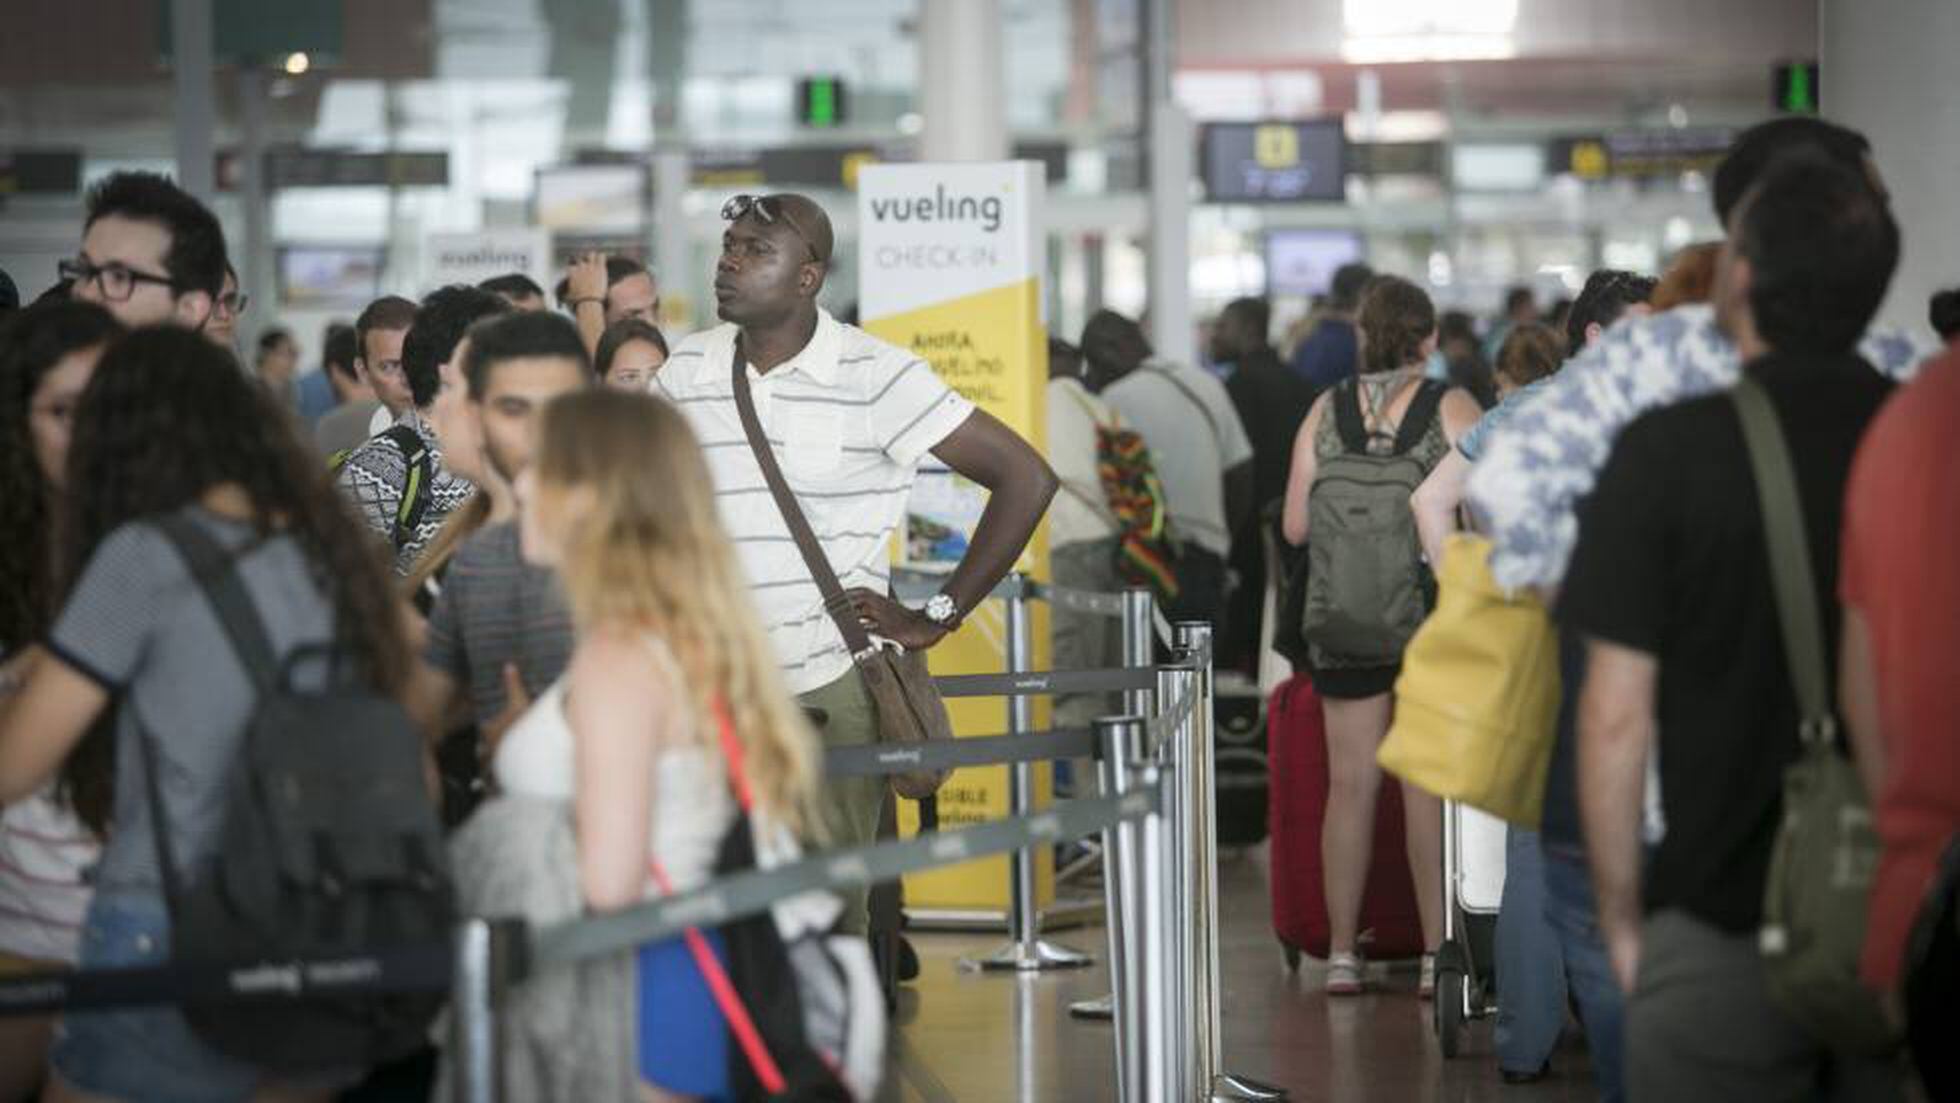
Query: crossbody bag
(903, 696)
(1826, 851)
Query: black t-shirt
(1272, 402)
(1671, 561)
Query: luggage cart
(1473, 886)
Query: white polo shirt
(849, 418)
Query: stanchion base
(1040, 958)
(1103, 1007)
(1236, 1089)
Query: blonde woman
(668, 642)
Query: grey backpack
(330, 851)
(1367, 588)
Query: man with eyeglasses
(849, 418)
(223, 326)
(151, 253)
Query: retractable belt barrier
(426, 967)
(874, 759)
(1036, 683)
(877, 759)
(429, 966)
(745, 894)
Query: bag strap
(1349, 424)
(1790, 569)
(731, 750)
(1096, 503)
(835, 601)
(1080, 394)
(215, 572)
(733, 1011)
(1170, 377)
(741, 1024)
(1352, 424)
(418, 490)
(153, 794)
(1422, 410)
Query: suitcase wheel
(1452, 997)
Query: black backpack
(807, 998)
(331, 848)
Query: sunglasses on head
(768, 211)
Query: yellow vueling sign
(950, 259)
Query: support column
(1885, 70)
(962, 81)
(671, 268)
(252, 256)
(194, 100)
(1171, 163)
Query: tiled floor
(984, 1038)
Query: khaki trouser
(849, 805)
(1700, 1026)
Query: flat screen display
(330, 275)
(592, 198)
(1302, 262)
(1276, 162)
(1515, 166)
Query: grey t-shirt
(1187, 418)
(139, 624)
(495, 609)
(345, 427)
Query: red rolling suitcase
(1391, 927)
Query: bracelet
(576, 303)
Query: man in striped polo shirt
(849, 417)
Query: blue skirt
(683, 1037)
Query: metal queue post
(1026, 951)
(1139, 613)
(483, 972)
(1145, 1072)
(1198, 781)
(1173, 750)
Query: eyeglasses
(766, 211)
(234, 304)
(116, 281)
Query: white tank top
(692, 804)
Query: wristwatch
(942, 610)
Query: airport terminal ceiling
(1460, 119)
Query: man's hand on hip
(882, 616)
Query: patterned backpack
(1134, 501)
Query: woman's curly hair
(169, 416)
(32, 344)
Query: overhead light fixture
(1386, 31)
(297, 63)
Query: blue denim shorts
(147, 1053)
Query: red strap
(731, 750)
(730, 1001)
(726, 998)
